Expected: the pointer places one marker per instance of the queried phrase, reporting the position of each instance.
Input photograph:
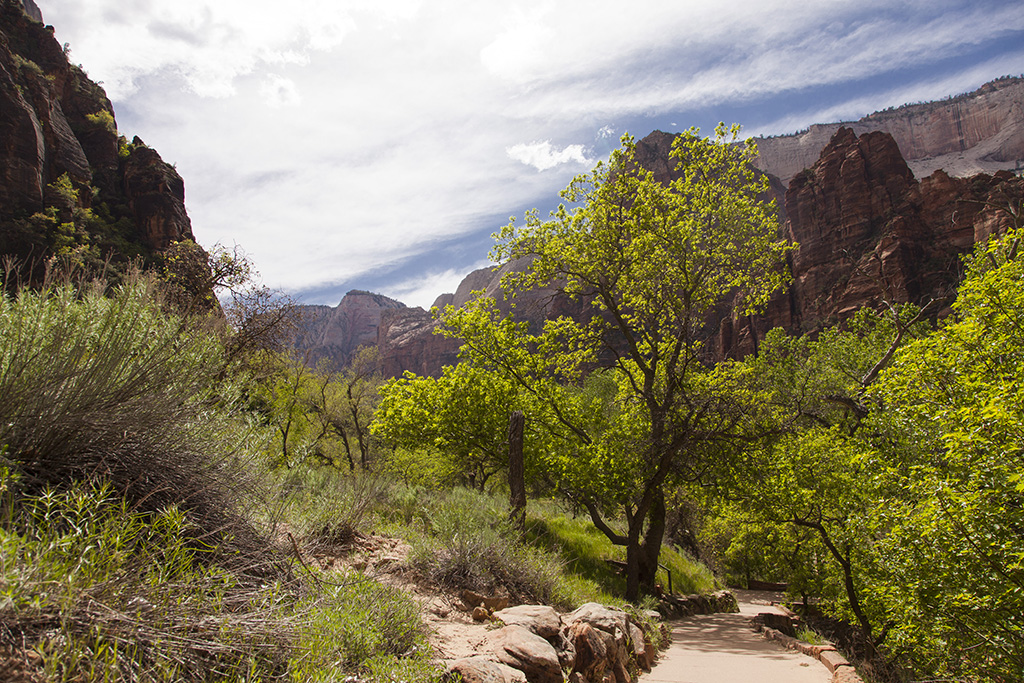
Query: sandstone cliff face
(406, 341)
(982, 131)
(868, 231)
(54, 121)
(337, 333)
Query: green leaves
(652, 260)
(911, 474)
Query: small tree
(655, 261)
(463, 415)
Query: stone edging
(677, 607)
(842, 671)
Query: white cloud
(542, 155)
(396, 125)
(280, 92)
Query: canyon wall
(982, 131)
(336, 333)
(55, 123)
(868, 231)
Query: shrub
(104, 592)
(327, 508)
(96, 387)
(466, 542)
(101, 591)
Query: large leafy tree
(902, 454)
(655, 260)
(951, 555)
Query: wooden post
(516, 471)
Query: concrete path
(722, 648)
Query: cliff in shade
(982, 131)
(62, 162)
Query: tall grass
(461, 539)
(586, 550)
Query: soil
(451, 631)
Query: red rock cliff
(336, 333)
(868, 231)
(54, 121)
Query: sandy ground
(722, 648)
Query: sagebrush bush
(329, 509)
(98, 385)
(465, 541)
(127, 546)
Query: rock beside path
(593, 644)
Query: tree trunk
(650, 550)
(642, 554)
(516, 472)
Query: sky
(377, 144)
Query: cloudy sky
(376, 144)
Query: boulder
(471, 599)
(539, 619)
(591, 652)
(535, 657)
(480, 669)
(604, 618)
(639, 646)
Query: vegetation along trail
(722, 648)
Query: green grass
(101, 591)
(585, 550)
(688, 574)
(809, 635)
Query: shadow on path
(722, 648)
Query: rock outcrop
(55, 123)
(982, 131)
(407, 341)
(868, 231)
(337, 333)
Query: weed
(809, 635)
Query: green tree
(818, 474)
(901, 451)
(463, 415)
(343, 403)
(655, 260)
(951, 555)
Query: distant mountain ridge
(977, 132)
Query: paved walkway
(722, 648)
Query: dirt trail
(722, 648)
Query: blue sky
(376, 144)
